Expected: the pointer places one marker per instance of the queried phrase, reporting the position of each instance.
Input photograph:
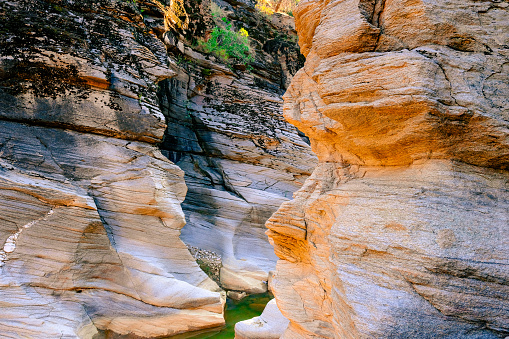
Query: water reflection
(247, 308)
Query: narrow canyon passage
(92, 132)
(167, 167)
(241, 161)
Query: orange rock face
(402, 230)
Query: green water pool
(247, 308)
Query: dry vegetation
(277, 6)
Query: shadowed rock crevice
(226, 131)
(372, 10)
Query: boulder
(269, 325)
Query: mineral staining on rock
(240, 157)
(402, 229)
(90, 209)
(10, 243)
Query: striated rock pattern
(402, 231)
(242, 160)
(90, 211)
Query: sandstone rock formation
(90, 211)
(402, 229)
(271, 324)
(241, 159)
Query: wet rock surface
(271, 324)
(401, 231)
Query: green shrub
(229, 45)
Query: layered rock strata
(402, 229)
(242, 160)
(90, 211)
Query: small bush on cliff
(228, 44)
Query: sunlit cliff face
(401, 101)
(378, 95)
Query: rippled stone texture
(90, 211)
(402, 229)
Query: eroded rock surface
(402, 229)
(90, 211)
(271, 324)
(242, 160)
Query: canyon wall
(241, 159)
(90, 211)
(107, 121)
(402, 229)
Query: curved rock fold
(89, 207)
